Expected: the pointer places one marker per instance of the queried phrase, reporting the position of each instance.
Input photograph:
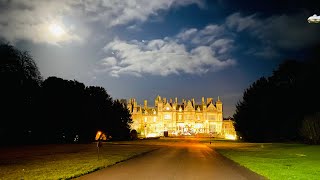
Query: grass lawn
(275, 160)
(62, 161)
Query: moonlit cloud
(30, 19)
(215, 36)
(169, 55)
(240, 23)
(114, 12)
(206, 36)
(198, 51)
(186, 34)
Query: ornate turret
(219, 105)
(145, 104)
(157, 100)
(159, 104)
(209, 100)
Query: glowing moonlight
(56, 30)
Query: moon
(56, 30)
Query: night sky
(172, 48)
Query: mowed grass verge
(275, 160)
(63, 161)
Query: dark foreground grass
(275, 161)
(62, 161)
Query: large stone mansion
(172, 118)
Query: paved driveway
(188, 160)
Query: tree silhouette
(54, 110)
(120, 121)
(20, 83)
(63, 107)
(310, 129)
(272, 109)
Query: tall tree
(120, 121)
(55, 110)
(20, 82)
(63, 108)
(272, 109)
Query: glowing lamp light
(98, 135)
(231, 137)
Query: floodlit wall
(178, 118)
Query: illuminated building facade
(184, 118)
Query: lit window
(189, 117)
(154, 119)
(198, 126)
(167, 116)
(145, 119)
(211, 117)
(167, 108)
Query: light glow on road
(231, 137)
(151, 135)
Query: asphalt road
(188, 160)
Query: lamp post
(99, 142)
(145, 130)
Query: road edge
(246, 172)
(100, 168)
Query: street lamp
(145, 130)
(99, 137)
(145, 127)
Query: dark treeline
(274, 108)
(53, 110)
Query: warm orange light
(98, 135)
(151, 135)
(231, 137)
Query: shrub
(311, 128)
(134, 134)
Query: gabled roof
(199, 107)
(189, 106)
(180, 106)
(167, 105)
(149, 111)
(211, 107)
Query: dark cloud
(276, 34)
(270, 7)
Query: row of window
(187, 117)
